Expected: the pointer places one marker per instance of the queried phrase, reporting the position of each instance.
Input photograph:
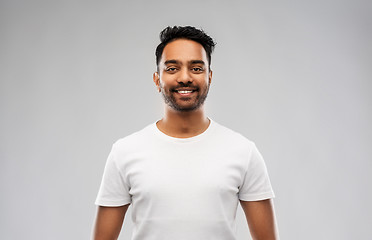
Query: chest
(180, 174)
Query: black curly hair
(170, 34)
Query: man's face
(184, 77)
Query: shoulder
(134, 140)
(232, 137)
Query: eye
(170, 69)
(197, 69)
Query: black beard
(170, 100)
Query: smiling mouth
(184, 93)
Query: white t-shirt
(184, 188)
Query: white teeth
(184, 91)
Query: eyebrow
(197, 62)
(173, 61)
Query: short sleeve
(114, 191)
(256, 183)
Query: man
(185, 173)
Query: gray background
(293, 76)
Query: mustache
(184, 86)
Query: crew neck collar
(183, 140)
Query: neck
(183, 124)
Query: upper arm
(261, 220)
(108, 222)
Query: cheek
(164, 86)
(204, 80)
(166, 81)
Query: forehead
(184, 50)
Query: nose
(184, 76)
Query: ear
(156, 80)
(210, 76)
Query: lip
(185, 89)
(185, 94)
